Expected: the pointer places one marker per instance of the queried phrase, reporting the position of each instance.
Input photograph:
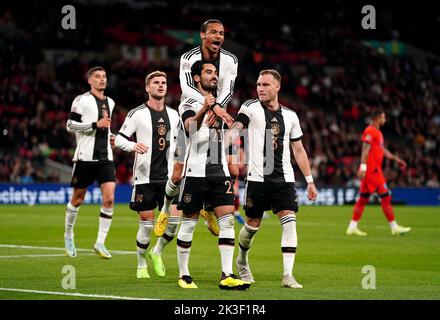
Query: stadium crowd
(330, 78)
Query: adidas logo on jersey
(161, 120)
(274, 119)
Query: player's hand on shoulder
(140, 148)
(312, 192)
(104, 122)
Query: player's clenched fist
(104, 122)
(209, 101)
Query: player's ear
(197, 78)
(202, 35)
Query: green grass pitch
(328, 263)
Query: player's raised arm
(187, 85)
(192, 119)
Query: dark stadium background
(334, 73)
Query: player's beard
(207, 86)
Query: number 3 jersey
(158, 131)
(205, 153)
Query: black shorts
(263, 196)
(86, 172)
(148, 196)
(195, 192)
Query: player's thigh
(220, 195)
(105, 172)
(283, 197)
(382, 186)
(83, 174)
(257, 199)
(159, 193)
(143, 198)
(78, 196)
(191, 196)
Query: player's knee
(108, 201)
(226, 221)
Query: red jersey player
(371, 175)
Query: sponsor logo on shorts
(75, 179)
(249, 202)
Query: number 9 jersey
(158, 131)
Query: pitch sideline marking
(58, 249)
(74, 294)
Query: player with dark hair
(371, 175)
(212, 36)
(206, 180)
(90, 119)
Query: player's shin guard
(184, 241)
(289, 242)
(71, 214)
(245, 239)
(143, 241)
(387, 207)
(168, 236)
(226, 242)
(105, 221)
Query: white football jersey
(205, 153)
(158, 131)
(92, 143)
(227, 67)
(269, 137)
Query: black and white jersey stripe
(269, 135)
(158, 131)
(93, 144)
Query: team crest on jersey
(249, 203)
(275, 128)
(162, 130)
(139, 198)
(187, 198)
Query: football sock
(143, 241)
(359, 208)
(226, 242)
(387, 208)
(245, 239)
(184, 240)
(288, 242)
(168, 236)
(105, 221)
(71, 214)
